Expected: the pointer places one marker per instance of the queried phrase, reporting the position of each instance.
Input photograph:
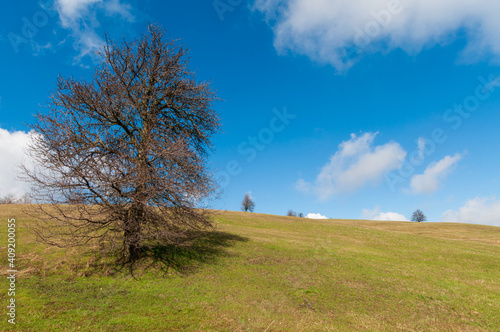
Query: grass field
(271, 273)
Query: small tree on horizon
(291, 213)
(418, 216)
(247, 204)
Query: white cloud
(340, 32)
(72, 10)
(430, 180)
(355, 164)
(384, 216)
(484, 211)
(12, 151)
(390, 216)
(316, 216)
(80, 16)
(115, 7)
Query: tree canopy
(247, 204)
(418, 216)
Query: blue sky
(343, 109)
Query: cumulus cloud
(316, 216)
(383, 216)
(355, 164)
(80, 16)
(12, 151)
(484, 211)
(390, 216)
(340, 32)
(434, 174)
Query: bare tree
(247, 204)
(121, 158)
(13, 199)
(9, 199)
(418, 216)
(291, 213)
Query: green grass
(275, 273)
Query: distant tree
(291, 213)
(12, 199)
(301, 215)
(247, 204)
(8, 199)
(418, 216)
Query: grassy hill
(272, 273)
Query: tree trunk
(132, 234)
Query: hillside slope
(272, 273)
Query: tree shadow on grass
(187, 255)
